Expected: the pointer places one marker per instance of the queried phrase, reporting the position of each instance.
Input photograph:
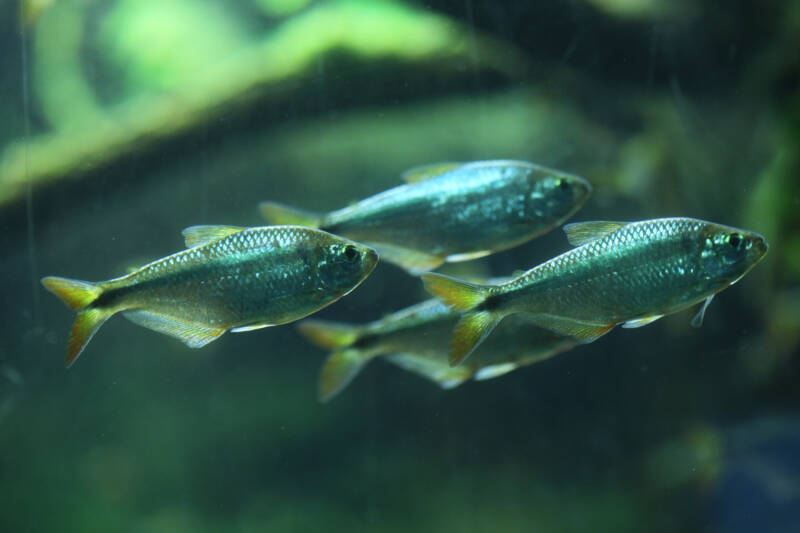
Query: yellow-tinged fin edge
(75, 293)
(86, 325)
(284, 215)
(200, 235)
(426, 172)
(412, 261)
(470, 331)
(339, 369)
(79, 295)
(455, 293)
(580, 233)
(329, 335)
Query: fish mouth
(582, 185)
(760, 244)
(370, 259)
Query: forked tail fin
(344, 363)
(78, 295)
(476, 324)
(281, 214)
(339, 370)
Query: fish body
(620, 273)
(230, 278)
(417, 339)
(452, 212)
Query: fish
(229, 278)
(629, 273)
(417, 339)
(450, 212)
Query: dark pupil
(734, 239)
(562, 184)
(350, 252)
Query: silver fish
(620, 273)
(417, 339)
(452, 212)
(229, 278)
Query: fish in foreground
(452, 212)
(417, 339)
(620, 273)
(229, 278)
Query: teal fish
(452, 212)
(229, 278)
(417, 339)
(620, 273)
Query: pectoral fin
(580, 233)
(697, 321)
(193, 335)
(639, 322)
(199, 235)
(413, 261)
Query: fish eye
(735, 240)
(350, 253)
(562, 184)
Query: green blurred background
(124, 121)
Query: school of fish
(238, 279)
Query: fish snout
(369, 258)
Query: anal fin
(583, 332)
(192, 335)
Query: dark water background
(677, 109)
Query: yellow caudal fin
(330, 335)
(460, 295)
(86, 325)
(470, 331)
(338, 371)
(281, 214)
(78, 295)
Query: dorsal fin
(580, 233)
(426, 172)
(199, 235)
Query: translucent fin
(426, 172)
(76, 294)
(433, 369)
(330, 335)
(639, 322)
(86, 325)
(281, 214)
(580, 233)
(583, 332)
(470, 331)
(251, 327)
(200, 235)
(193, 335)
(494, 371)
(697, 321)
(338, 371)
(458, 294)
(414, 262)
(457, 258)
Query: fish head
(727, 253)
(556, 195)
(343, 264)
